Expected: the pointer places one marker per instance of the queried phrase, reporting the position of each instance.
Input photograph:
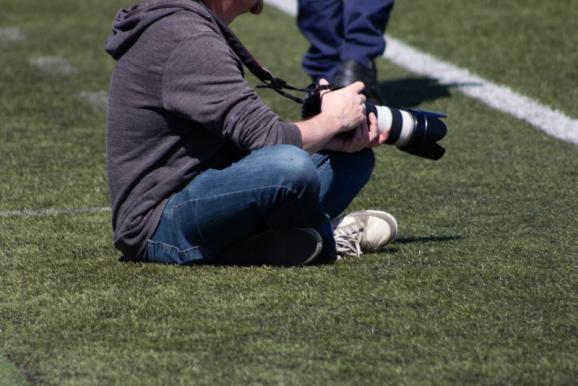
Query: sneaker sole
(318, 248)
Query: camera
(413, 131)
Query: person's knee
(294, 169)
(292, 178)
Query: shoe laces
(348, 239)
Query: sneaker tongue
(350, 229)
(349, 220)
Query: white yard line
(54, 65)
(98, 100)
(287, 6)
(51, 212)
(11, 34)
(501, 98)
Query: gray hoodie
(178, 105)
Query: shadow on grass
(412, 92)
(430, 239)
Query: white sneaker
(363, 231)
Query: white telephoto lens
(384, 118)
(406, 129)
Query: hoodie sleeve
(203, 82)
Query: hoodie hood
(130, 23)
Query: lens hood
(429, 129)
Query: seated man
(201, 170)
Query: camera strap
(260, 72)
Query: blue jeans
(277, 187)
(341, 30)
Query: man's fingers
(363, 130)
(357, 86)
(360, 139)
(373, 119)
(377, 138)
(323, 82)
(382, 137)
(373, 130)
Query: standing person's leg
(275, 188)
(321, 21)
(364, 25)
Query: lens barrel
(414, 131)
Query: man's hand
(342, 111)
(365, 135)
(345, 106)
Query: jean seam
(154, 243)
(168, 211)
(324, 165)
(194, 200)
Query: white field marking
(502, 98)
(287, 6)
(98, 100)
(50, 212)
(11, 34)
(54, 65)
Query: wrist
(330, 123)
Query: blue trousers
(277, 187)
(341, 30)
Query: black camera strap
(260, 72)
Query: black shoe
(350, 72)
(286, 248)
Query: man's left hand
(365, 135)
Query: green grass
(9, 375)
(526, 44)
(480, 288)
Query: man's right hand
(342, 110)
(345, 106)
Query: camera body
(413, 131)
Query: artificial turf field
(480, 288)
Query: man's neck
(224, 9)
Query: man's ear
(257, 8)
